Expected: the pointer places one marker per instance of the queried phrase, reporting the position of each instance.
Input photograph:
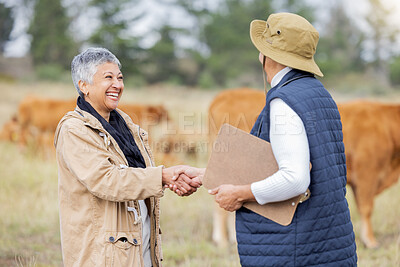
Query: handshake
(182, 179)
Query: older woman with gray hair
(109, 187)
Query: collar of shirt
(278, 77)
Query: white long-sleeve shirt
(290, 147)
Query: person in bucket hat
(288, 39)
(301, 121)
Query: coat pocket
(122, 249)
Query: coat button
(111, 239)
(135, 241)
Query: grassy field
(29, 224)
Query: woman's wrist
(164, 176)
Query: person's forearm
(94, 169)
(244, 193)
(290, 146)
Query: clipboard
(240, 158)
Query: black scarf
(119, 131)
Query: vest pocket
(122, 249)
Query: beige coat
(95, 190)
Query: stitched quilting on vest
(321, 232)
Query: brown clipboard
(240, 158)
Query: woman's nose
(118, 83)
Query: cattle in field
(144, 113)
(9, 131)
(37, 118)
(240, 108)
(371, 133)
(44, 114)
(372, 146)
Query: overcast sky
(156, 14)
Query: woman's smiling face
(106, 89)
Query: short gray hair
(84, 65)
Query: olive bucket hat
(288, 39)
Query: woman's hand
(175, 179)
(191, 175)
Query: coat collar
(293, 74)
(92, 122)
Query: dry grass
(29, 214)
(29, 226)
(386, 225)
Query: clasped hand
(183, 180)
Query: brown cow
(240, 108)
(372, 145)
(9, 131)
(145, 114)
(371, 133)
(44, 114)
(38, 117)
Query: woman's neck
(104, 114)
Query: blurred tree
(6, 25)
(191, 61)
(226, 34)
(230, 57)
(339, 48)
(395, 70)
(296, 6)
(115, 17)
(161, 61)
(51, 42)
(381, 35)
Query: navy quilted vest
(321, 233)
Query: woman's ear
(82, 86)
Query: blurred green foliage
(382, 35)
(6, 25)
(112, 32)
(227, 36)
(51, 41)
(161, 63)
(52, 72)
(395, 71)
(221, 53)
(339, 49)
